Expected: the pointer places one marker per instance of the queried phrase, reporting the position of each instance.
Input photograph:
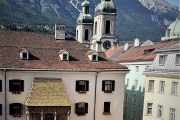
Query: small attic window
(94, 57)
(63, 55)
(24, 54)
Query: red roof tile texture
(44, 50)
(136, 54)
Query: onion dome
(84, 18)
(106, 6)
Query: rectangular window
(174, 88)
(137, 68)
(108, 85)
(161, 86)
(149, 108)
(162, 59)
(65, 57)
(0, 85)
(16, 86)
(16, 109)
(178, 59)
(107, 107)
(81, 108)
(134, 99)
(151, 86)
(94, 57)
(172, 114)
(82, 85)
(0, 109)
(126, 97)
(160, 111)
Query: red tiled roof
(137, 53)
(43, 51)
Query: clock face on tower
(107, 44)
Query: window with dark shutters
(107, 108)
(81, 108)
(16, 86)
(0, 109)
(108, 85)
(82, 85)
(0, 85)
(16, 109)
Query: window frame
(162, 86)
(17, 108)
(82, 88)
(174, 88)
(160, 111)
(172, 113)
(151, 88)
(65, 57)
(177, 62)
(107, 108)
(108, 86)
(86, 35)
(134, 100)
(81, 108)
(107, 27)
(149, 109)
(16, 86)
(163, 59)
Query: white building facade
(61, 80)
(162, 86)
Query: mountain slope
(134, 18)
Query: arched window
(77, 35)
(107, 26)
(86, 34)
(95, 31)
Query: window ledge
(106, 113)
(107, 91)
(82, 92)
(16, 92)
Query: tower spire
(85, 7)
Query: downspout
(95, 92)
(5, 93)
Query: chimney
(136, 42)
(59, 32)
(126, 46)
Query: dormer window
(24, 54)
(93, 55)
(162, 59)
(94, 58)
(63, 55)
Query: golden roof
(47, 93)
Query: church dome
(174, 28)
(84, 18)
(105, 6)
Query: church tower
(84, 27)
(104, 26)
